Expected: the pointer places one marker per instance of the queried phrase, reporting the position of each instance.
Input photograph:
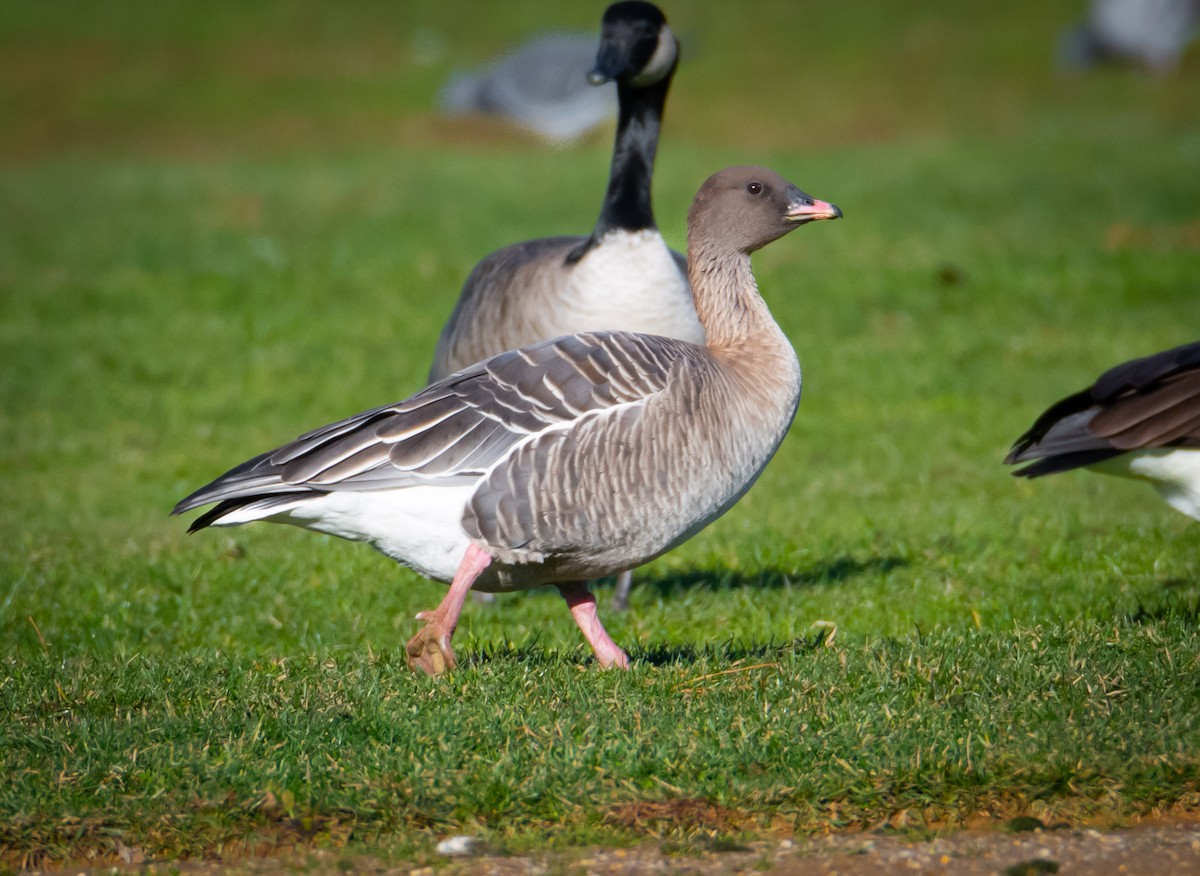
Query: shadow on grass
(673, 583)
(834, 571)
(1179, 600)
(728, 653)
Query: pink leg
(429, 650)
(583, 608)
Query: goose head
(636, 46)
(745, 208)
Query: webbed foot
(429, 650)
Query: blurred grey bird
(1150, 33)
(541, 86)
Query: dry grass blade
(731, 671)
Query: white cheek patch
(660, 62)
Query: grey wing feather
(455, 430)
(536, 501)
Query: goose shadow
(729, 652)
(832, 571)
(674, 582)
(1178, 599)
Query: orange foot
(429, 650)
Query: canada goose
(563, 461)
(1140, 420)
(621, 277)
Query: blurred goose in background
(621, 277)
(1150, 33)
(541, 86)
(563, 461)
(1140, 420)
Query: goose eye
(754, 188)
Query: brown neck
(734, 315)
(751, 351)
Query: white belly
(1173, 471)
(419, 527)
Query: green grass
(785, 737)
(220, 228)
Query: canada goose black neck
(638, 52)
(627, 200)
(622, 275)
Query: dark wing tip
(201, 522)
(210, 516)
(1061, 462)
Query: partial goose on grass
(621, 277)
(1139, 420)
(566, 460)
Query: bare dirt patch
(1148, 849)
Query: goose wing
(1144, 403)
(457, 429)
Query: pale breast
(629, 281)
(1173, 471)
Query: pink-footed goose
(566, 460)
(623, 276)
(1140, 419)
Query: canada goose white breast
(629, 281)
